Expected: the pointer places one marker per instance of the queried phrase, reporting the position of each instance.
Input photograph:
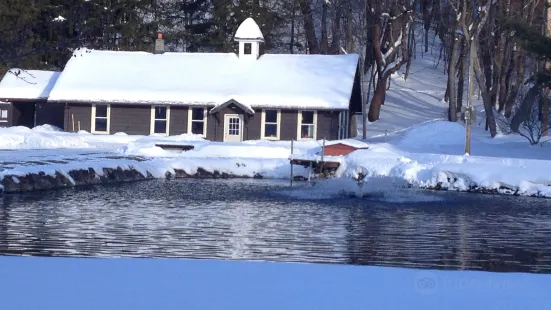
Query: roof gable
(27, 84)
(230, 102)
(208, 79)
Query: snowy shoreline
(447, 177)
(426, 156)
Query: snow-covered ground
(88, 283)
(426, 155)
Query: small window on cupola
(248, 49)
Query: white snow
(249, 30)
(42, 137)
(208, 79)
(59, 19)
(27, 84)
(145, 283)
(426, 155)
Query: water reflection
(264, 220)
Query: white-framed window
(248, 49)
(101, 118)
(197, 121)
(270, 125)
(307, 125)
(160, 120)
(3, 115)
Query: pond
(268, 220)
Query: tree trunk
(292, 43)
(380, 90)
(545, 112)
(335, 29)
(461, 76)
(378, 99)
(427, 18)
(349, 33)
(505, 79)
(452, 103)
(309, 27)
(519, 82)
(486, 97)
(324, 37)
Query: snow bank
(42, 137)
(454, 172)
(441, 133)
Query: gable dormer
(249, 37)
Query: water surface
(267, 220)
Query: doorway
(233, 128)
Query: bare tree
(529, 120)
(473, 18)
(389, 36)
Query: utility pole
(469, 111)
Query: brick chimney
(159, 44)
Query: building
(23, 96)
(221, 96)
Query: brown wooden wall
(178, 120)
(135, 120)
(328, 125)
(80, 112)
(288, 130)
(131, 119)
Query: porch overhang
(244, 107)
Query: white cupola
(249, 37)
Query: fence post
(322, 156)
(292, 146)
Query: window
(248, 48)
(160, 119)
(307, 124)
(343, 125)
(100, 118)
(197, 121)
(3, 115)
(270, 124)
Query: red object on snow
(340, 149)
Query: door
(233, 128)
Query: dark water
(265, 220)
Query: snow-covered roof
(207, 79)
(244, 107)
(27, 84)
(249, 30)
(350, 142)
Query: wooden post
(73, 121)
(291, 162)
(322, 156)
(78, 125)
